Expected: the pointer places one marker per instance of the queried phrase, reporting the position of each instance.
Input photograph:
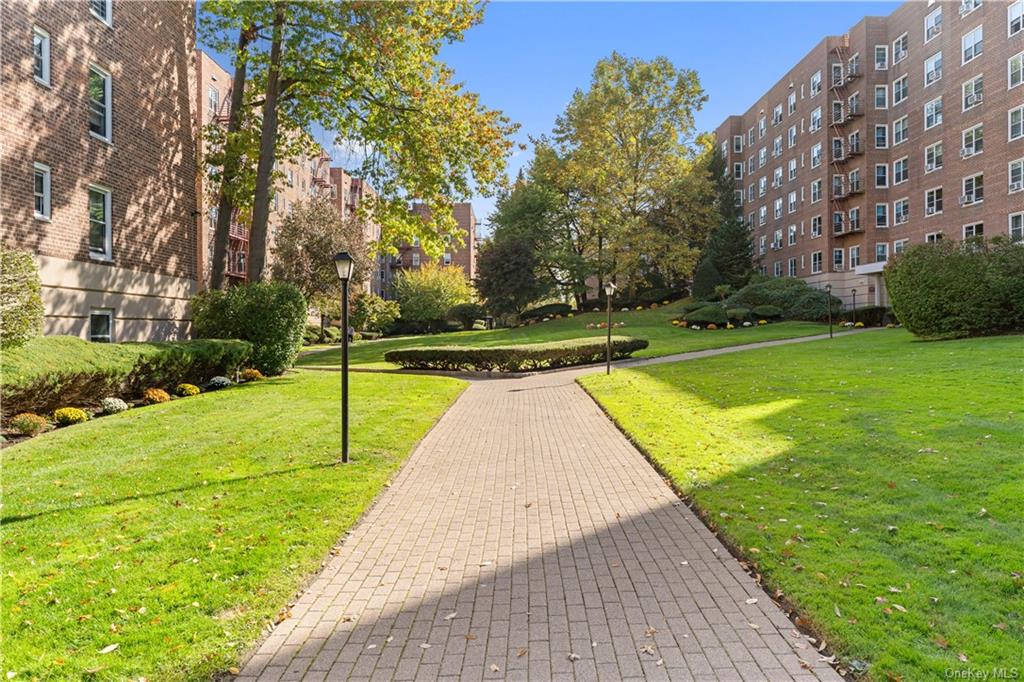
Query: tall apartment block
(907, 129)
(348, 192)
(99, 161)
(411, 256)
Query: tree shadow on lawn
(853, 497)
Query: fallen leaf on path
(521, 651)
(424, 645)
(752, 600)
(451, 615)
(495, 668)
(647, 650)
(574, 657)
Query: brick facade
(411, 256)
(141, 164)
(829, 233)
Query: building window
(777, 269)
(899, 245)
(900, 90)
(973, 142)
(816, 120)
(777, 146)
(737, 171)
(899, 171)
(881, 97)
(815, 83)
(447, 258)
(973, 92)
(791, 103)
(816, 262)
(762, 127)
(974, 230)
(1016, 176)
(854, 217)
(737, 198)
(777, 114)
(100, 237)
(881, 136)
(1015, 17)
(837, 111)
(737, 143)
(972, 45)
(213, 101)
(899, 49)
(761, 244)
(102, 10)
(933, 238)
(101, 326)
(855, 180)
(933, 202)
(933, 157)
(881, 252)
(1016, 227)
(792, 202)
(900, 130)
(881, 57)
(777, 209)
(837, 74)
(815, 191)
(41, 191)
(900, 211)
(762, 157)
(1015, 70)
(933, 69)
(974, 190)
(933, 24)
(792, 267)
(415, 260)
(41, 56)
(1015, 123)
(881, 215)
(792, 137)
(881, 175)
(816, 226)
(791, 235)
(762, 186)
(816, 155)
(792, 169)
(837, 260)
(933, 113)
(99, 102)
(854, 256)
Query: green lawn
(178, 531)
(876, 480)
(653, 325)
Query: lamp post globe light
(609, 291)
(344, 264)
(828, 302)
(854, 292)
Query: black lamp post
(609, 290)
(343, 262)
(854, 292)
(828, 293)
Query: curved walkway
(526, 538)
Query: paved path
(526, 538)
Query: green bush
(427, 294)
(767, 312)
(705, 278)
(549, 310)
(524, 357)
(332, 334)
(269, 315)
(52, 371)
(696, 305)
(371, 313)
(870, 315)
(310, 335)
(67, 416)
(466, 314)
(812, 306)
(952, 289)
(709, 314)
(21, 302)
(28, 424)
(738, 314)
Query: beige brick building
(907, 129)
(99, 161)
(462, 254)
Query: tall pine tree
(730, 247)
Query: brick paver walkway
(526, 538)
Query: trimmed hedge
(738, 314)
(695, 305)
(54, 371)
(549, 310)
(795, 298)
(954, 289)
(710, 314)
(524, 357)
(768, 312)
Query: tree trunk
(225, 207)
(268, 144)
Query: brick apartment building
(411, 256)
(907, 129)
(99, 161)
(347, 193)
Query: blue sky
(527, 58)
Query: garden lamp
(344, 263)
(609, 291)
(854, 292)
(828, 302)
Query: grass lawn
(653, 325)
(878, 481)
(177, 532)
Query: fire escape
(238, 249)
(847, 144)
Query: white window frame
(447, 259)
(885, 211)
(936, 200)
(815, 120)
(884, 90)
(816, 155)
(905, 161)
(936, 113)
(1009, 123)
(904, 89)
(884, 167)
(792, 169)
(108, 119)
(1019, 58)
(979, 43)
(108, 11)
(791, 267)
(1019, 163)
(44, 38)
(838, 259)
(976, 85)
(884, 50)
(930, 18)
(885, 129)
(974, 230)
(47, 200)
(1009, 225)
(896, 205)
(1015, 14)
(815, 266)
(853, 258)
(974, 189)
(933, 67)
(902, 124)
(935, 157)
(904, 42)
(815, 191)
(415, 259)
(108, 246)
(102, 312)
(737, 144)
(975, 148)
(885, 250)
(816, 83)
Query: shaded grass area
(876, 480)
(652, 325)
(178, 531)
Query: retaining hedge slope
(525, 357)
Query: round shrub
(795, 298)
(812, 306)
(708, 314)
(113, 405)
(738, 314)
(332, 334)
(217, 383)
(152, 396)
(466, 314)
(186, 390)
(310, 335)
(252, 374)
(769, 312)
(28, 424)
(712, 326)
(547, 311)
(21, 315)
(371, 313)
(66, 416)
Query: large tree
(730, 247)
(370, 72)
(509, 276)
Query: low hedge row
(549, 310)
(53, 371)
(524, 357)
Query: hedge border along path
(523, 357)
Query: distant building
(908, 129)
(99, 162)
(461, 253)
(347, 193)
